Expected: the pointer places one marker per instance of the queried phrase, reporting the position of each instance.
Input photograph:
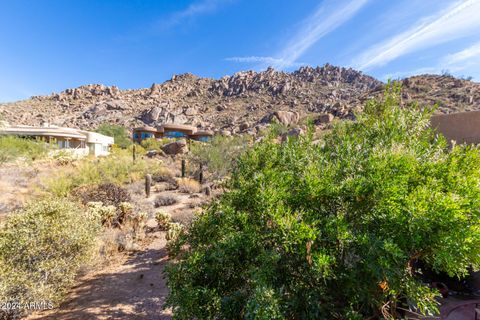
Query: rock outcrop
(243, 102)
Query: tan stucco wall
(460, 127)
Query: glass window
(146, 135)
(175, 134)
(135, 135)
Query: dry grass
(163, 174)
(186, 185)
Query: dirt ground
(20, 182)
(133, 287)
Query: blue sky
(49, 45)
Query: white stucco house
(76, 142)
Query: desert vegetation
(342, 228)
(118, 168)
(219, 156)
(12, 148)
(119, 133)
(41, 249)
(346, 224)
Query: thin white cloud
(326, 18)
(459, 20)
(470, 54)
(466, 60)
(193, 10)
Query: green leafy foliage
(119, 133)
(334, 230)
(12, 147)
(154, 144)
(41, 250)
(220, 154)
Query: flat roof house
(173, 131)
(77, 142)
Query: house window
(135, 136)
(63, 144)
(175, 134)
(146, 135)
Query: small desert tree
(220, 154)
(340, 229)
(119, 133)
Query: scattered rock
(231, 101)
(324, 118)
(177, 147)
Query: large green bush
(41, 250)
(336, 229)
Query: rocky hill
(235, 103)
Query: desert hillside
(234, 103)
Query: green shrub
(119, 133)
(154, 144)
(337, 230)
(220, 154)
(41, 250)
(12, 148)
(117, 168)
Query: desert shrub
(338, 230)
(42, 248)
(187, 185)
(277, 129)
(106, 193)
(12, 148)
(154, 144)
(119, 133)
(220, 154)
(164, 200)
(117, 168)
(163, 219)
(163, 174)
(63, 157)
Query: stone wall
(460, 127)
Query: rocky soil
(237, 103)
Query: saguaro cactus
(183, 168)
(200, 175)
(148, 184)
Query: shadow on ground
(136, 291)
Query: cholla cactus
(138, 222)
(104, 213)
(140, 219)
(94, 209)
(126, 208)
(163, 220)
(108, 214)
(174, 230)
